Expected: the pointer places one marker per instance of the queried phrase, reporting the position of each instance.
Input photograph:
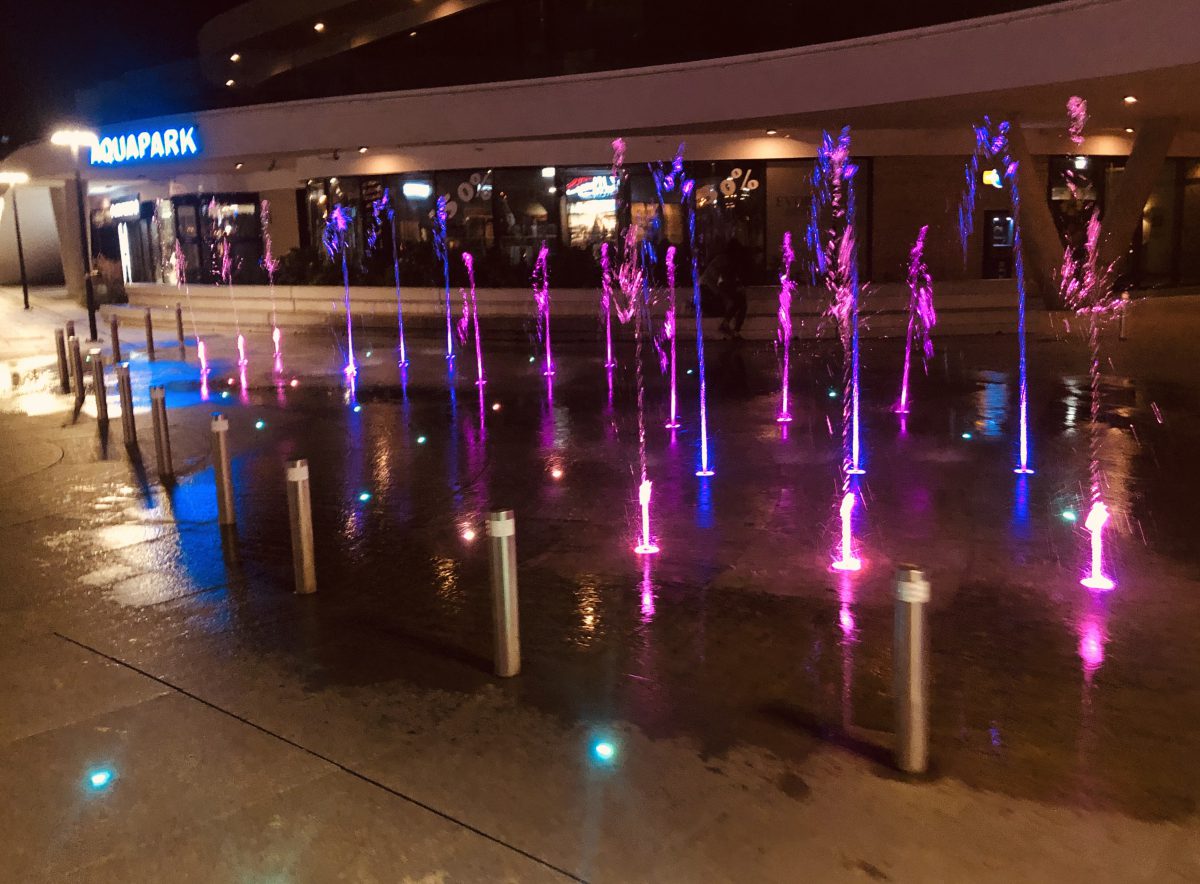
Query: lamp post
(12, 179)
(75, 139)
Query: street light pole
(20, 248)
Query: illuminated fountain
(443, 253)
(335, 243)
(921, 315)
(1088, 290)
(992, 147)
(383, 206)
(847, 560)
(541, 296)
(271, 264)
(783, 336)
(831, 240)
(646, 546)
(182, 283)
(469, 324)
(688, 193)
(671, 330)
(606, 307)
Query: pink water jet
(606, 305)
(241, 348)
(921, 315)
(335, 243)
(541, 295)
(443, 252)
(271, 264)
(647, 546)
(848, 561)
(202, 356)
(471, 314)
(671, 330)
(783, 335)
(1096, 519)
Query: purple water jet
(471, 315)
(271, 264)
(688, 196)
(541, 296)
(847, 560)
(336, 230)
(606, 305)
(182, 283)
(783, 336)
(921, 315)
(443, 252)
(671, 330)
(383, 207)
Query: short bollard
(149, 334)
(502, 529)
(300, 515)
(64, 370)
(76, 370)
(910, 670)
(162, 435)
(125, 390)
(97, 357)
(114, 332)
(1121, 336)
(179, 329)
(70, 328)
(226, 516)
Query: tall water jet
(847, 560)
(541, 296)
(471, 314)
(921, 315)
(606, 306)
(1087, 289)
(383, 208)
(783, 336)
(688, 194)
(336, 244)
(443, 252)
(182, 283)
(832, 242)
(671, 330)
(227, 281)
(271, 264)
(647, 545)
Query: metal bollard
(64, 370)
(1121, 336)
(226, 515)
(300, 514)
(179, 328)
(502, 529)
(162, 435)
(114, 327)
(76, 369)
(70, 328)
(97, 357)
(125, 390)
(910, 668)
(149, 334)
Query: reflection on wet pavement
(737, 632)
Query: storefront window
(730, 205)
(468, 194)
(526, 208)
(588, 200)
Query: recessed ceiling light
(412, 33)
(319, 27)
(362, 149)
(1128, 130)
(236, 57)
(229, 82)
(772, 131)
(238, 165)
(1130, 99)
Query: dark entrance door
(998, 234)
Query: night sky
(50, 49)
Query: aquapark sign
(153, 144)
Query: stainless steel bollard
(76, 370)
(114, 328)
(179, 328)
(70, 328)
(162, 435)
(149, 334)
(910, 668)
(97, 357)
(502, 529)
(300, 514)
(1121, 336)
(64, 369)
(226, 515)
(125, 389)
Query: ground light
(604, 750)
(364, 496)
(420, 440)
(99, 779)
(259, 424)
(1068, 515)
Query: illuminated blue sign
(132, 147)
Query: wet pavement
(744, 687)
